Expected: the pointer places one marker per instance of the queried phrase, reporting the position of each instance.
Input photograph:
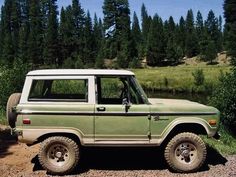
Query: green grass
(179, 78)
(225, 145)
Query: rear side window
(59, 90)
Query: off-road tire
(65, 146)
(186, 152)
(13, 100)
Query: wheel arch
(193, 125)
(34, 136)
(70, 135)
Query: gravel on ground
(17, 159)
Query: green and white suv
(66, 109)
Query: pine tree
(199, 24)
(171, 25)
(67, 39)
(109, 22)
(230, 17)
(12, 19)
(181, 37)
(0, 41)
(203, 38)
(63, 26)
(7, 49)
(211, 51)
(117, 29)
(100, 24)
(136, 37)
(24, 31)
(109, 11)
(15, 24)
(170, 33)
(211, 42)
(88, 52)
(2, 33)
(98, 42)
(98, 33)
(170, 52)
(212, 27)
(220, 35)
(71, 33)
(78, 17)
(191, 45)
(146, 22)
(156, 43)
(200, 27)
(23, 42)
(35, 41)
(51, 36)
(123, 31)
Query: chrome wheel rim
(186, 153)
(58, 155)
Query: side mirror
(126, 103)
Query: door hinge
(149, 134)
(156, 118)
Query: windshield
(138, 89)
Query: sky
(164, 8)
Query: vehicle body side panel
(116, 124)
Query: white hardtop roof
(68, 72)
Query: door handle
(101, 109)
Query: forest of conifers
(37, 32)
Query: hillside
(221, 60)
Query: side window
(36, 89)
(111, 90)
(59, 90)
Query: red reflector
(212, 122)
(26, 121)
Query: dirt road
(17, 159)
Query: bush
(135, 63)
(122, 60)
(79, 63)
(166, 82)
(224, 98)
(12, 80)
(99, 63)
(199, 77)
(73, 62)
(68, 64)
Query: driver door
(113, 121)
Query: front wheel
(59, 155)
(186, 152)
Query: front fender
(211, 131)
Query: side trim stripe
(119, 113)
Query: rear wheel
(13, 100)
(59, 155)
(186, 152)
